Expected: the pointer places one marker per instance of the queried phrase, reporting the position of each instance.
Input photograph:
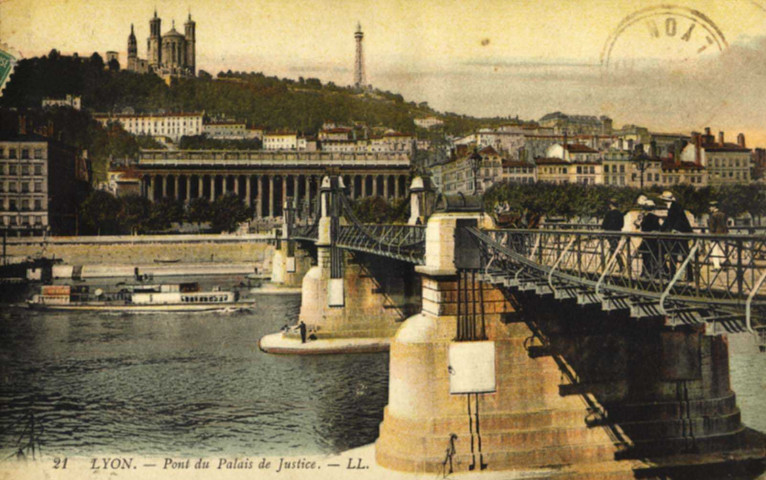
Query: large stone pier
(573, 392)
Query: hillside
(270, 102)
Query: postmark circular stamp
(661, 35)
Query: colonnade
(266, 192)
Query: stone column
(396, 186)
(188, 188)
(284, 192)
(364, 186)
(386, 192)
(236, 185)
(224, 187)
(175, 187)
(212, 188)
(200, 187)
(248, 191)
(271, 196)
(295, 191)
(262, 195)
(151, 188)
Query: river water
(196, 384)
(191, 384)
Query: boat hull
(143, 308)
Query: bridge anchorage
(553, 353)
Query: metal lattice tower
(360, 80)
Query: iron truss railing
(309, 232)
(401, 242)
(693, 277)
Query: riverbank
(145, 250)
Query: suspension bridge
(556, 352)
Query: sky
(673, 68)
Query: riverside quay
(264, 179)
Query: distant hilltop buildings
(171, 55)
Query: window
(38, 204)
(12, 153)
(25, 153)
(38, 186)
(25, 169)
(38, 153)
(12, 186)
(38, 169)
(25, 187)
(25, 204)
(12, 169)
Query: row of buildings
(700, 159)
(331, 138)
(39, 182)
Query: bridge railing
(718, 269)
(401, 242)
(308, 232)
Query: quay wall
(145, 249)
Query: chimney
(720, 138)
(698, 150)
(677, 151)
(707, 131)
(741, 140)
(22, 125)
(653, 149)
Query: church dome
(172, 33)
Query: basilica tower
(190, 30)
(132, 50)
(154, 43)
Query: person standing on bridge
(717, 225)
(676, 222)
(613, 222)
(649, 247)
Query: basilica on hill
(170, 55)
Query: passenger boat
(181, 297)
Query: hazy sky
(673, 69)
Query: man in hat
(675, 222)
(613, 222)
(649, 247)
(717, 225)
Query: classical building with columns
(264, 179)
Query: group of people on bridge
(661, 257)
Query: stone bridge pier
(291, 260)
(485, 380)
(350, 301)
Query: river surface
(187, 384)
(196, 384)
